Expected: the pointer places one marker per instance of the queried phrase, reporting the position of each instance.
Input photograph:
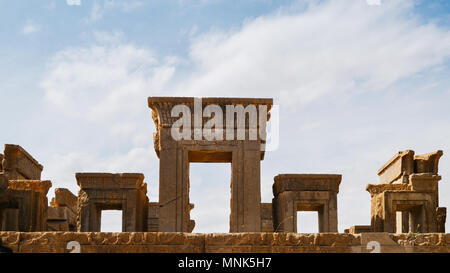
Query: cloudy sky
(356, 81)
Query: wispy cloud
(30, 27)
(322, 51)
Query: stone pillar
(245, 189)
(174, 207)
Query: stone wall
(175, 242)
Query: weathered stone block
(360, 229)
(19, 164)
(65, 198)
(400, 164)
(306, 182)
(427, 163)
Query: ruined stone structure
(23, 196)
(18, 164)
(406, 200)
(305, 192)
(62, 213)
(405, 213)
(105, 191)
(175, 156)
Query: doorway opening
(111, 221)
(210, 193)
(307, 222)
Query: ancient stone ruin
(405, 213)
(406, 200)
(305, 192)
(102, 191)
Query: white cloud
(103, 88)
(336, 47)
(96, 13)
(104, 81)
(30, 27)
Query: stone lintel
(35, 185)
(162, 106)
(210, 100)
(424, 182)
(306, 182)
(375, 189)
(110, 181)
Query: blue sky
(355, 83)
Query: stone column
(173, 188)
(245, 189)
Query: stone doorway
(175, 155)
